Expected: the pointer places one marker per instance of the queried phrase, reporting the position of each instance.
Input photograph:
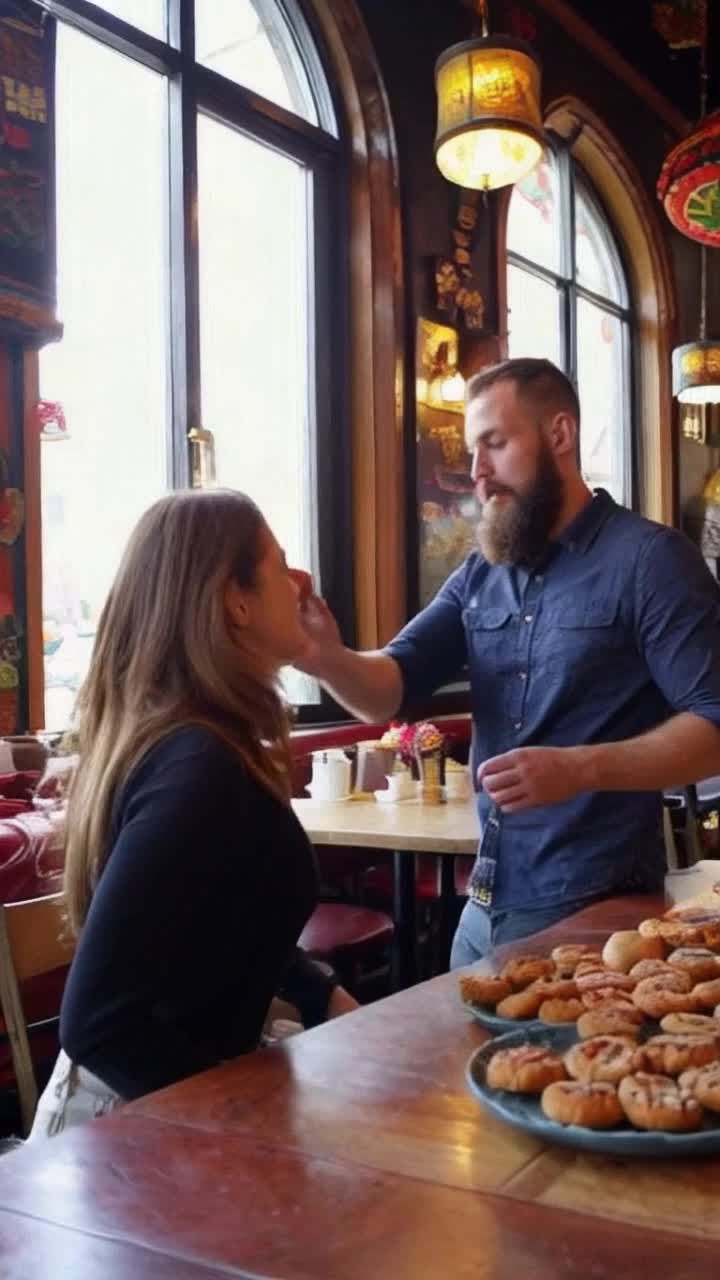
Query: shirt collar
(580, 534)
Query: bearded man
(592, 641)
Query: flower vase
(430, 770)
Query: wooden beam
(588, 38)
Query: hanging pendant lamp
(689, 186)
(489, 130)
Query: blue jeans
(478, 930)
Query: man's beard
(518, 531)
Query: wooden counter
(355, 1150)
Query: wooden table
(354, 1150)
(407, 828)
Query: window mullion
(183, 276)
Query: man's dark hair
(538, 381)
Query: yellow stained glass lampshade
(696, 372)
(489, 131)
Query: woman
(188, 879)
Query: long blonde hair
(163, 658)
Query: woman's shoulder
(189, 758)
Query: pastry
(690, 1024)
(657, 1102)
(483, 988)
(707, 994)
(649, 969)
(669, 1054)
(673, 932)
(521, 1004)
(592, 964)
(698, 962)
(704, 1084)
(527, 1068)
(604, 978)
(609, 1020)
(594, 1106)
(606, 995)
(560, 1010)
(567, 958)
(665, 993)
(607, 1058)
(526, 969)
(555, 988)
(625, 948)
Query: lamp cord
(482, 9)
(704, 81)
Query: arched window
(199, 170)
(568, 300)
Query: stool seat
(337, 930)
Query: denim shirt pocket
(588, 637)
(490, 640)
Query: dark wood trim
(377, 328)
(603, 52)
(645, 254)
(258, 116)
(31, 446)
(112, 31)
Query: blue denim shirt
(615, 631)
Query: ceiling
(628, 25)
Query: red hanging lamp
(689, 182)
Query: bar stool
(346, 936)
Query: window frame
(571, 178)
(324, 154)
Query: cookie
(656, 1102)
(526, 969)
(554, 1011)
(707, 994)
(593, 964)
(670, 1054)
(606, 1058)
(690, 1024)
(605, 978)
(566, 958)
(521, 1004)
(605, 995)
(699, 963)
(483, 988)
(704, 1084)
(527, 1068)
(649, 969)
(594, 1106)
(609, 1020)
(555, 988)
(665, 993)
(674, 933)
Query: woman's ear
(236, 605)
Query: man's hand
(323, 636)
(533, 776)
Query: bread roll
(624, 949)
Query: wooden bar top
(353, 1150)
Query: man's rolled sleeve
(678, 623)
(431, 650)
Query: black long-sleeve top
(193, 925)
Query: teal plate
(493, 1022)
(522, 1110)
